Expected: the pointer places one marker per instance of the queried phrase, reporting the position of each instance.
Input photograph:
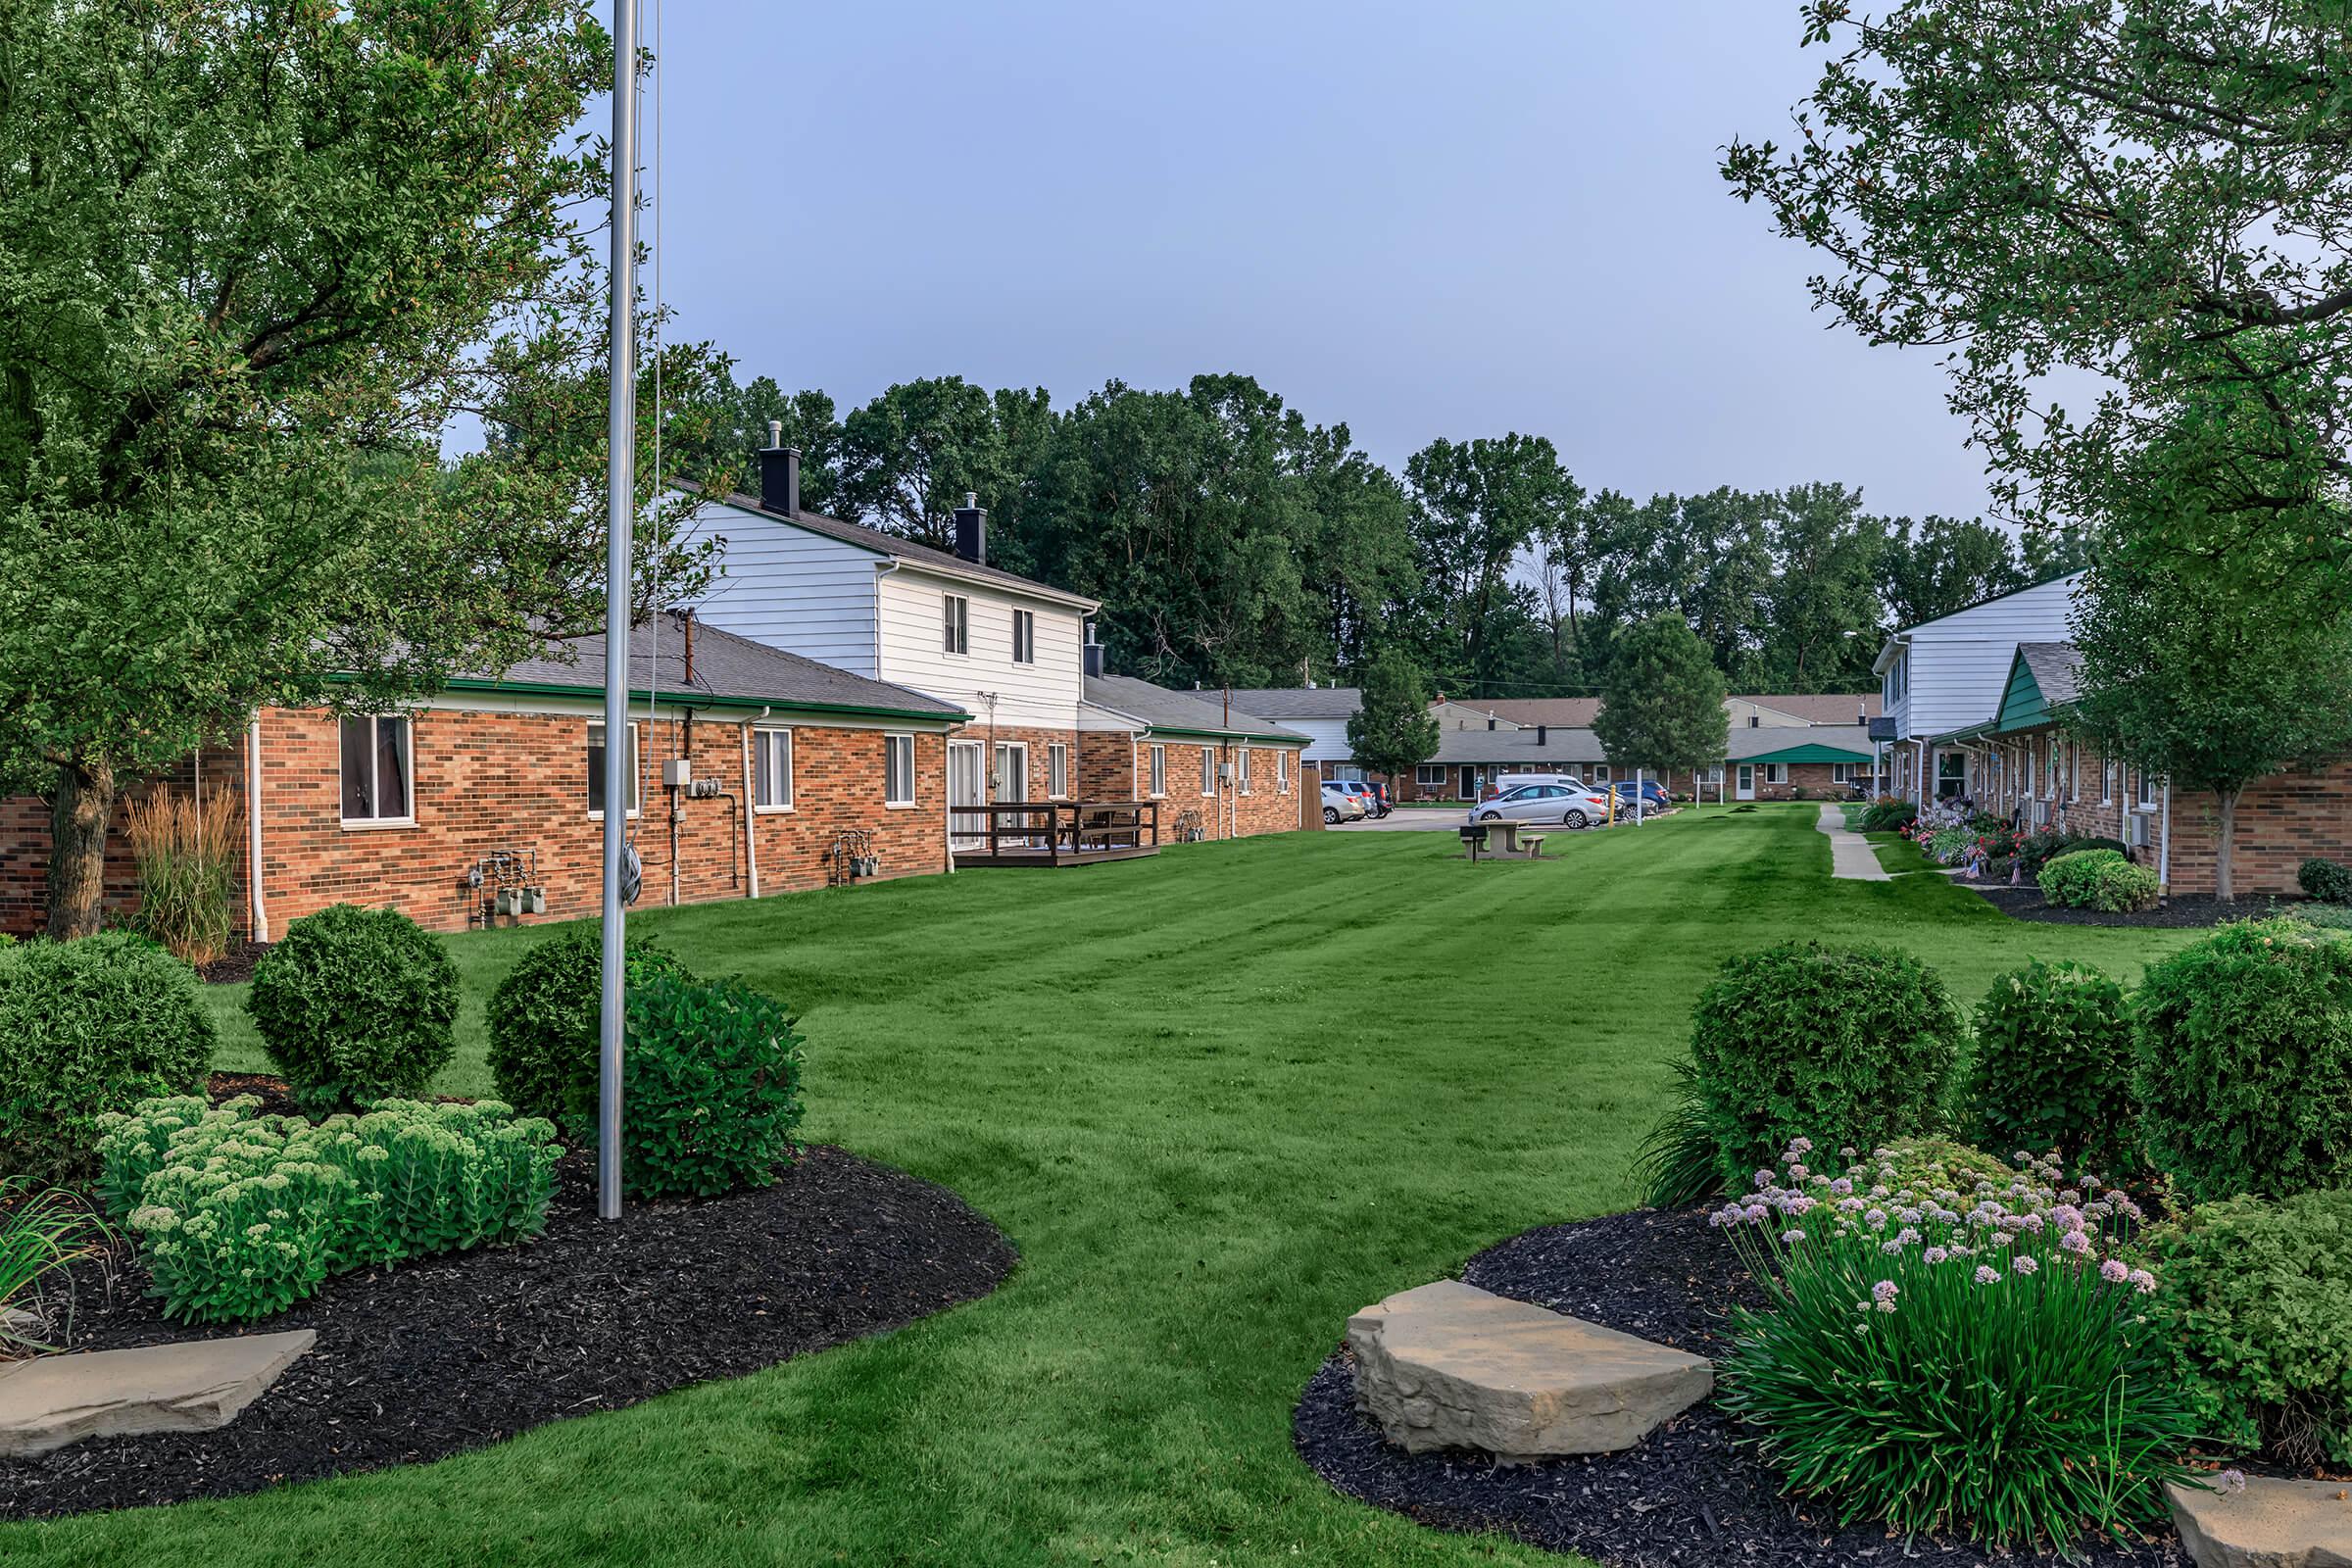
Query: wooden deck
(1053, 833)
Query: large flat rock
(1448, 1365)
(2270, 1524)
(193, 1386)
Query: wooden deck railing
(1052, 832)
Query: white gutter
(258, 908)
(751, 834)
(2164, 845)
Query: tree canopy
(1662, 704)
(1392, 730)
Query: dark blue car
(1653, 794)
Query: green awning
(1810, 751)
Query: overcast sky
(1420, 219)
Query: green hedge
(355, 1006)
(1845, 1046)
(239, 1215)
(2244, 1041)
(2258, 1297)
(2329, 881)
(2053, 1066)
(712, 1086)
(90, 1027)
(2097, 879)
(543, 1024)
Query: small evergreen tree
(1392, 730)
(1662, 700)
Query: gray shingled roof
(1195, 713)
(2056, 668)
(890, 544)
(1299, 701)
(1563, 749)
(726, 668)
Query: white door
(1012, 771)
(1745, 787)
(964, 778)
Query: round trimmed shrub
(2053, 1066)
(711, 1087)
(543, 1023)
(1844, 1045)
(90, 1026)
(355, 1006)
(2256, 1295)
(2244, 1080)
(2329, 881)
(2072, 879)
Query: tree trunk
(2225, 881)
(84, 810)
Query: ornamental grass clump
(185, 853)
(1944, 1355)
(239, 1215)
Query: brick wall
(1039, 743)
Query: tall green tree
(737, 420)
(1392, 730)
(1477, 505)
(2147, 193)
(911, 455)
(1662, 701)
(256, 259)
(1940, 564)
(1821, 607)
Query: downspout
(258, 910)
(750, 815)
(2164, 845)
(946, 802)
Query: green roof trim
(1957, 737)
(1254, 737)
(1809, 752)
(2023, 706)
(677, 698)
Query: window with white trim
(1430, 775)
(376, 754)
(1057, 768)
(1024, 637)
(1282, 773)
(955, 624)
(2147, 797)
(897, 770)
(595, 769)
(1241, 769)
(1160, 771)
(771, 769)
(1842, 772)
(2106, 780)
(1600, 772)
(1776, 773)
(1208, 770)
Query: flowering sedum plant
(1945, 1352)
(238, 1216)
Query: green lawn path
(1220, 1099)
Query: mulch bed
(233, 965)
(1689, 1493)
(453, 1353)
(2179, 912)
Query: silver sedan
(1567, 803)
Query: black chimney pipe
(1541, 731)
(1093, 655)
(971, 530)
(779, 473)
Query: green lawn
(1220, 1098)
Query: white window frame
(1058, 768)
(635, 772)
(892, 744)
(956, 625)
(766, 738)
(1240, 769)
(2106, 780)
(1842, 772)
(2144, 799)
(1024, 636)
(1430, 775)
(1209, 772)
(407, 816)
(1776, 773)
(1160, 772)
(1600, 772)
(1282, 773)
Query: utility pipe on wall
(257, 908)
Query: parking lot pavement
(1407, 819)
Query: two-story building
(1945, 676)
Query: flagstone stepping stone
(1448, 1365)
(193, 1386)
(2270, 1524)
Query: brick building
(497, 782)
(1205, 764)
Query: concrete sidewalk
(1850, 855)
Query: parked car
(1365, 797)
(1654, 796)
(1570, 805)
(1340, 804)
(1378, 793)
(1515, 781)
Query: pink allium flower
(2228, 1482)
(1800, 1146)
(1754, 1213)
(2073, 1241)
(1763, 1178)
(1842, 1186)
(1797, 1173)
(2024, 1264)
(1884, 1290)
(2142, 1280)
(1987, 1276)
(1934, 1255)
(1793, 1235)
(2114, 1271)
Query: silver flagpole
(620, 506)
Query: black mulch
(425, 1361)
(1686, 1496)
(2179, 912)
(233, 965)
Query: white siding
(1042, 694)
(1330, 735)
(791, 589)
(1956, 667)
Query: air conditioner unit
(2136, 829)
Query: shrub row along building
(1976, 707)
(841, 704)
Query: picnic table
(1505, 838)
